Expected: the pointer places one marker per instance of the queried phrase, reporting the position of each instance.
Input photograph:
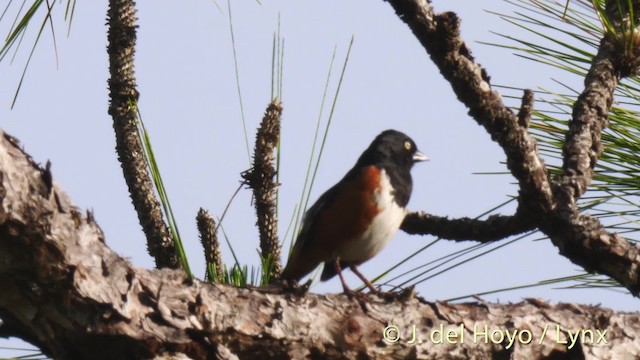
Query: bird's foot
(358, 296)
(292, 286)
(403, 295)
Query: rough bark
(123, 94)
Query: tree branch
(584, 241)
(583, 144)
(121, 18)
(439, 34)
(580, 237)
(526, 109)
(494, 228)
(549, 206)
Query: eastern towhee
(352, 221)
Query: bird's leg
(345, 287)
(364, 280)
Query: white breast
(384, 226)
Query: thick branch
(582, 238)
(68, 293)
(121, 18)
(496, 227)
(584, 241)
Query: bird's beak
(418, 156)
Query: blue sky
(189, 103)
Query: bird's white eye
(407, 145)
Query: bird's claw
(294, 287)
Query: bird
(354, 220)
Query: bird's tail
(330, 271)
(297, 268)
